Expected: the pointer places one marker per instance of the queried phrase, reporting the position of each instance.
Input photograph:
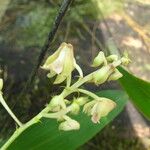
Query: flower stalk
(61, 65)
(2, 101)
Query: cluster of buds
(61, 64)
(108, 70)
(60, 107)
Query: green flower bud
(112, 58)
(69, 124)
(75, 108)
(1, 84)
(99, 60)
(101, 75)
(115, 76)
(125, 61)
(57, 103)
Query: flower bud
(112, 58)
(99, 59)
(69, 124)
(115, 76)
(1, 84)
(57, 103)
(125, 61)
(101, 75)
(75, 108)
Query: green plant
(61, 64)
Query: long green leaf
(138, 90)
(46, 136)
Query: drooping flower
(69, 124)
(99, 108)
(62, 63)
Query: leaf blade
(138, 90)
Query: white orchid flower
(62, 63)
(99, 108)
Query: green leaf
(46, 136)
(138, 90)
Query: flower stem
(69, 80)
(9, 110)
(34, 120)
(88, 93)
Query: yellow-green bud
(125, 61)
(75, 108)
(101, 75)
(99, 60)
(57, 103)
(112, 58)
